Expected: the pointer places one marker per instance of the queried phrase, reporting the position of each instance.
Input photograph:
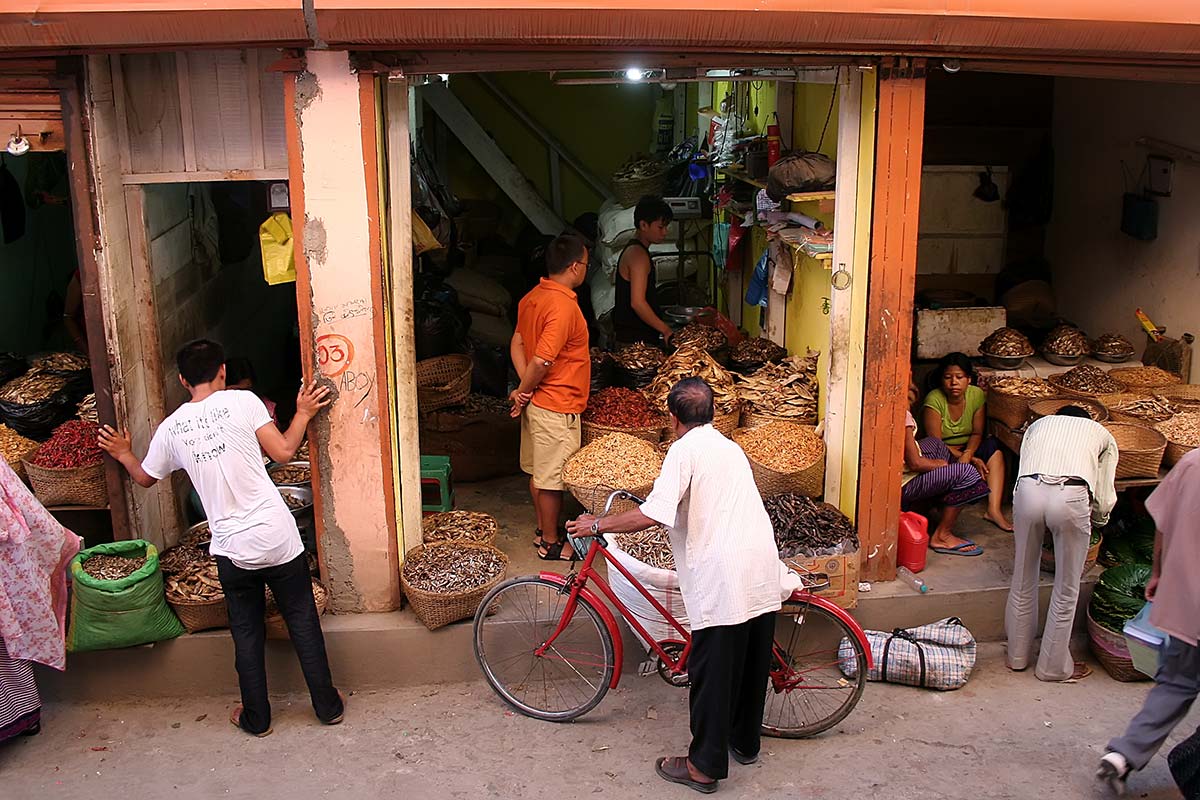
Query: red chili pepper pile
(621, 408)
(73, 444)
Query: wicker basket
(1110, 401)
(592, 431)
(277, 628)
(1093, 555)
(809, 481)
(443, 381)
(593, 498)
(1183, 394)
(1130, 377)
(628, 192)
(77, 486)
(754, 419)
(436, 610)
(1011, 409)
(1141, 449)
(1049, 406)
(1110, 650)
(201, 615)
(727, 423)
(1177, 450)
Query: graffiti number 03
(335, 354)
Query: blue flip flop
(964, 549)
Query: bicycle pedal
(648, 667)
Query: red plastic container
(914, 541)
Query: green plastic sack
(278, 249)
(122, 613)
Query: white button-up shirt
(725, 554)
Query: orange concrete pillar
(334, 189)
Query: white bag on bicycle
(663, 586)
(939, 655)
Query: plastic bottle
(906, 575)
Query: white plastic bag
(663, 586)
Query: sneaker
(1113, 772)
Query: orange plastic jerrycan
(914, 541)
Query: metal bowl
(681, 315)
(273, 469)
(303, 494)
(1062, 361)
(1108, 358)
(1004, 362)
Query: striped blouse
(1073, 447)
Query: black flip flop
(684, 779)
(537, 537)
(744, 760)
(554, 551)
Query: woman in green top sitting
(955, 413)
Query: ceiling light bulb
(634, 74)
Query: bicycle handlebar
(623, 495)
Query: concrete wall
(1100, 274)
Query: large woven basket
(754, 419)
(443, 381)
(201, 615)
(1093, 555)
(1111, 401)
(78, 486)
(437, 610)
(725, 424)
(591, 431)
(1112, 652)
(1132, 377)
(808, 481)
(1140, 449)
(1184, 394)
(1049, 406)
(18, 462)
(1177, 450)
(593, 498)
(277, 628)
(1011, 409)
(628, 192)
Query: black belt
(1067, 482)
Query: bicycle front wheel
(570, 677)
(816, 680)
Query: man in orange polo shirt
(550, 353)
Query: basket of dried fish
(1144, 377)
(697, 334)
(1112, 348)
(1139, 408)
(617, 410)
(276, 627)
(615, 461)
(1050, 406)
(443, 381)
(786, 391)
(638, 177)
(194, 592)
(15, 448)
(1140, 449)
(459, 526)
(1006, 348)
(1066, 346)
(784, 457)
(805, 527)
(637, 364)
(1086, 381)
(688, 362)
(749, 355)
(1008, 399)
(444, 582)
(1183, 435)
(34, 404)
(1181, 394)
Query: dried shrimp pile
(1006, 343)
(1024, 387)
(14, 446)
(782, 446)
(289, 474)
(1087, 379)
(804, 526)
(616, 459)
(470, 526)
(1145, 377)
(651, 546)
(689, 362)
(786, 389)
(450, 568)
(1183, 429)
(1113, 344)
(112, 568)
(697, 334)
(1067, 340)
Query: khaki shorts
(548, 439)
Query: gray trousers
(1066, 512)
(1175, 688)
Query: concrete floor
(1005, 735)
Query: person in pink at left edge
(34, 553)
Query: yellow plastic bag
(278, 253)
(423, 239)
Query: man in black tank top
(636, 313)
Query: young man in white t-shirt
(218, 438)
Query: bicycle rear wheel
(574, 673)
(809, 690)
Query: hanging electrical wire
(832, 100)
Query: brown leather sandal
(675, 769)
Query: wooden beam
(785, 104)
(183, 76)
(118, 84)
(206, 176)
(489, 155)
(143, 298)
(901, 125)
(403, 312)
(254, 95)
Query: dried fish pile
(753, 353)
(59, 362)
(640, 357)
(617, 460)
(470, 526)
(1067, 340)
(1033, 388)
(782, 446)
(1113, 344)
(289, 474)
(622, 408)
(195, 584)
(477, 404)
(1006, 343)
(1151, 409)
(196, 536)
(651, 547)
(697, 334)
(32, 387)
(182, 558)
(14, 446)
(786, 389)
(293, 503)
(1087, 379)
(449, 568)
(805, 527)
(1183, 429)
(1145, 377)
(689, 362)
(112, 568)
(637, 168)
(86, 410)
(302, 453)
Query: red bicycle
(551, 648)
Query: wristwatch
(595, 527)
